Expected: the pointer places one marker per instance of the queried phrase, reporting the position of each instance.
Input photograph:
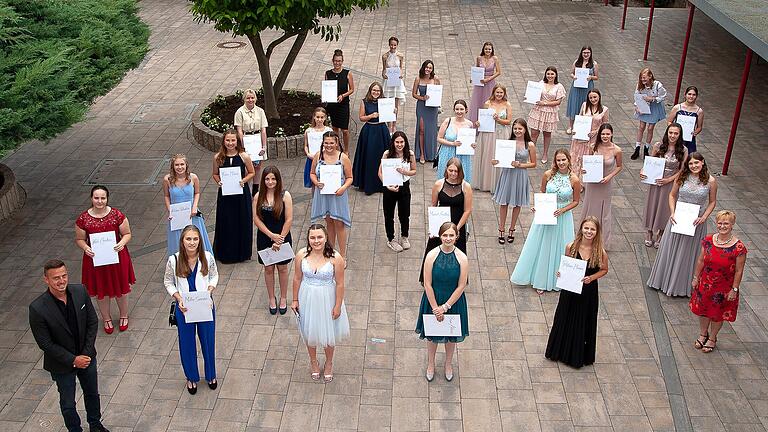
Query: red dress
(716, 280)
(111, 280)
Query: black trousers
(90, 384)
(401, 199)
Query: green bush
(56, 56)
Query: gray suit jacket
(52, 334)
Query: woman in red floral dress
(112, 280)
(716, 280)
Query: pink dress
(545, 118)
(480, 95)
(111, 280)
(580, 148)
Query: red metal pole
(685, 51)
(737, 112)
(624, 15)
(648, 34)
(606, 2)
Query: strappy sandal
(121, 326)
(511, 236)
(698, 344)
(501, 237)
(709, 348)
(315, 375)
(108, 329)
(648, 243)
(327, 377)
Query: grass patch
(56, 56)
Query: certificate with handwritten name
(466, 136)
(581, 80)
(181, 215)
(230, 181)
(546, 204)
(437, 216)
(450, 326)
(485, 117)
(689, 124)
(593, 165)
(685, 215)
(477, 73)
(582, 126)
(572, 272)
(435, 93)
(329, 91)
(199, 306)
(386, 107)
(653, 169)
(103, 247)
(533, 91)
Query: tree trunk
(288, 63)
(270, 102)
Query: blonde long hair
(597, 243)
(172, 175)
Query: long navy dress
(234, 221)
(371, 144)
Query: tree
(295, 18)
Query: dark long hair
(679, 148)
(327, 249)
(600, 130)
(423, 74)
(277, 206)
(703, 174)
(406, 149)
(580, 61)
(182, 264)
(526, 135)
(599, 102)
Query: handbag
(172, 313)
(437, 153)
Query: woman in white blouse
(193, 269)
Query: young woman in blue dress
(691, 109)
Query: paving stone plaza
(647, 374)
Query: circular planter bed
(285, 136)
(12, 196)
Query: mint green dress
(445, 279)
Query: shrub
(56, 56)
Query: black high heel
(511, 236)
(282, 310)
(501, 237)
(273, 310)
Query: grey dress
(656, 213)
(673, 268)
(597, 198)
(512, 186)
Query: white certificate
(450, 326)
(653, 168)
(103, 247)
(198, 304)
(466, 136)
(593, 165)
(582, 126)
(546, 204)
(181, 215)
(389, 174)
(641, 104)
(330, 177)
(485, 117)
(689, 124)
(435, 93)
(685, 215)
(505, 153)
(314, 141)
(330, 91)
(437, 216)
(252, 144)
(230, 181)
(572, 272)
(581, 78)
(393, 77)
(533, 92)
(476, 74)
(270, 256)
(387, 110)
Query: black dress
(574, 328)
(233, 241)
(372, 141)
(273, 224)
(450, 195)
(339, 112)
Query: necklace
(721, 243)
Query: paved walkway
(647, 375)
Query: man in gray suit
(64, 324)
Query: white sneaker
(405, 243)
(395, 246)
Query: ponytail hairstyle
(328, 251)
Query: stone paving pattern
(503, 380)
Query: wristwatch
(735, 289)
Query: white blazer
(174, 284)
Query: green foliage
(250, 17)
(56, 56)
